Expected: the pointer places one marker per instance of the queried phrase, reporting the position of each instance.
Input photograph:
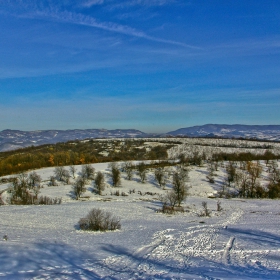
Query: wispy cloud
(144, 3)
(91, 3)
(52, 12)
(81, 19)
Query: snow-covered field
(44, 242)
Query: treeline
(77, 152)
(245, 156)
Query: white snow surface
(44, 242)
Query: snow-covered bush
(99, 220)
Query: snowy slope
(240, 242)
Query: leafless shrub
(45, 200)
(168, 201)
(167, 209)
(99, 220)
(117, 193)
(205, 212)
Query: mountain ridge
(261, 132)
(14, 139)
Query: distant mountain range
(14, 139)
(265, 132)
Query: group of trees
(246, 180)
(25, 189)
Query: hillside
(44, 242)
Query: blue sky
(153, 65)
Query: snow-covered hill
(14, 139)
(268, 132)
(44, 242)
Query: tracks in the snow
(179, 249)
(226, 255)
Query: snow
(44, 242)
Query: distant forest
(78, 152)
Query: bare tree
(66, 176)
(128, 169)
(20, 189)
(115, 174)
(88, 172)
(79, 187)
(179, 187)
(72, 170)
(34, 179)
(59, 172)
(274, 176)
(231, 172)
(160, 176)
(211, 169)
(254, 170)
(242, 183)
(142, 171)
(53, 181)
(183, 173)
(99, 182)
(274, 184)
